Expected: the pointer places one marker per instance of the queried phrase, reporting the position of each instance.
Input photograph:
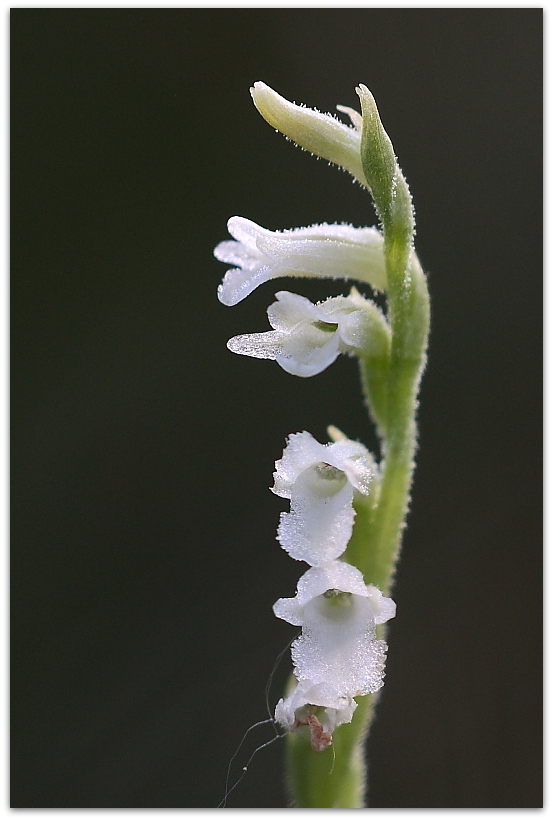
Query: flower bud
(321, 134)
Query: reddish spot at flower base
(320, 740)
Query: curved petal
(337, 651)
(301, 450)
(309, 351)
(315, 365)
(342, 577)
(331, 251)
(335, 575)
(337, 709)
(383, 608)
(238, 283)
(246, 231)
(355, 116)
(290, 310)
(353, 330)
(288, 609)
(236, 253)
(355, 460)
(336, 309)
(338, 645)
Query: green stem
(335, 778)
(384, 532)
(390, 384)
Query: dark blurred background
(144, 560)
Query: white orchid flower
(306, 338)
(317, 706)
(324, 251)
(320, 481)
(338, 614)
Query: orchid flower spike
(322, 134)
(307, 338)
(320, 480)
(323, 251)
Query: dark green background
(144, 560)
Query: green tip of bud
(386, 182)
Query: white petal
(290, 310)
(332, 717)
(336, 309)
(334, 575)
(246, 231)
(383, 608)
(355, 460)
(319, 525)
(323, 694)
(364, 329)
(299, 343)
(285, 714)
(301, 450)
(355, 116)
(308, 351)
(337, 654)
(288, 609)
(354, 330)
(346, 578)
(236, 253)
(332, 251)
(238, 283)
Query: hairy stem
(336, 778)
